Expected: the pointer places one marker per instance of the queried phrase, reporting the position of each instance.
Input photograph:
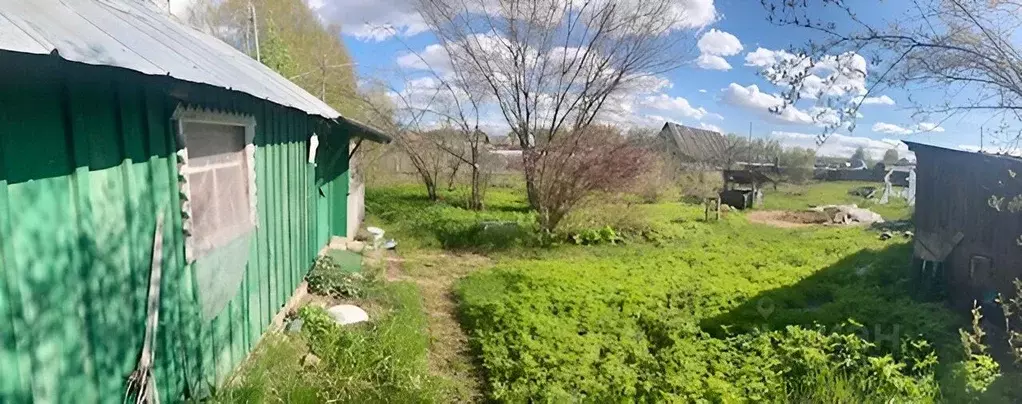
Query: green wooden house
(113, 114)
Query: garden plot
(675, 308)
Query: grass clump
(326, 278)
(382, 361)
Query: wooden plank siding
(86, 162)
(953, 194)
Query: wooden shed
(968, 219)
(694, 147)
(113, 114)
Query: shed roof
(136, 35)
(922, 147)
(697, 144)
(747, 176)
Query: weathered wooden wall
(86, 162)
(953, 194)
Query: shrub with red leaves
(575, 166)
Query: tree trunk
(430, 189)
(477, 193)
(531, 189)
(454, 174)
(476, 203)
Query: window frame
(186, 114)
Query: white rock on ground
(347, 314)
(355, 246)
(850, 214)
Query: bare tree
(410, 134)
(963, 48)
(442, 110)
(548, 67)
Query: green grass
(383, 361)
(688, 310)
(415, 222)
(682, 320)
(800, 197)
(679, 310)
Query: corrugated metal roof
(697, 144)
(134, 34)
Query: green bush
(328, 279)
(596, 236)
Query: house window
(217, 168)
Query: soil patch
(787, 218)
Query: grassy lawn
(482, 307)
(797, 197)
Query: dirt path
(436, 273)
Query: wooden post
(715, 203)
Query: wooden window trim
(187, 114)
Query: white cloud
(710, 126)
(929, 127)
(702, 90)
(892, 129)
(374, 20)
(712, 62)
(881, 100)
(693, 13)
(751, 98)
(713, 46)
(762, 57)
(837, 145)
(433, 57)
(378, 20)
(831, 75)
(716, 42)
(644, 100)
(677, 105)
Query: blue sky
(700, 94)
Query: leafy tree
(859, 155)
(291, 40)
(890, 157)
(796, 164)
(275, 53)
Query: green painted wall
(86, 161)
(332, 179)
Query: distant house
(706, 150)
(968, 219)
(696, 147)
(114, 115)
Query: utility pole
(255, 29)
(980, 139)
(750, 131)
